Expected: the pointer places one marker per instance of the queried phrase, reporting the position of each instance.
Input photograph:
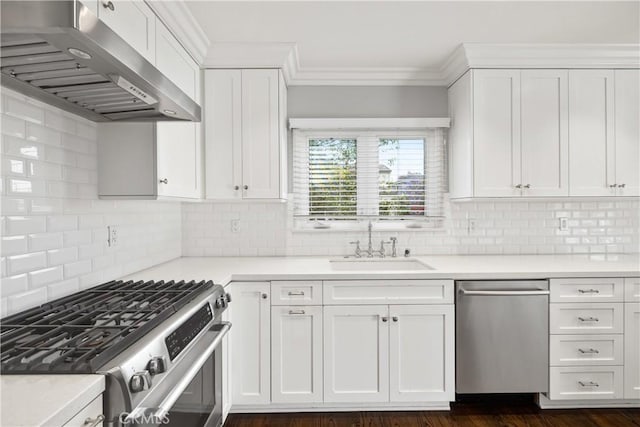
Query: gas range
(150, 340)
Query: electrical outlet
(235, 225)
(112, 235)
(471, 225)
(563, 224)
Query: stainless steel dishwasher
(502, 336)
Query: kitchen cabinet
(251, 343)
(632, 339)
(149, 161)
(591, 126)
(134, 21)
(245, 134)
(296, 354)
(175, 63)
(356, 353)
(627, 132)
(505, 125)
(544, 133)
(421, 353)
(89, 415)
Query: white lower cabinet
(421, 353)
(296, 354)
(632, 350)
(250, 343)
(356, 353)
(586, 382)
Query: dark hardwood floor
(466, 413)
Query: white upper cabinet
(627, 137)
(496, 133)
(134, 21)
(245, 134)
(176, 64)
(179, 160)
(591, 129)
(545, 133)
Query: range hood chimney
(60, 53)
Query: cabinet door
(421, 353)
(544, 132)
(223, 133)
(632, 351)
(250, 343)
(356, 353)
(176, 64)
(296, 354)
(496, 136)
(627, 122)
(179, 159)
(591, 148)
(134, 22)
(260, 134)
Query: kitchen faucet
(370, 251)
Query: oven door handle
(180, 387)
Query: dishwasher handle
(505, 293)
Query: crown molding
(184, 26)
(369, 123)
(463, 58)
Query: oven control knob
(156, 365)
(139, 381)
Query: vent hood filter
(84, 68)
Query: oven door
(192, 394)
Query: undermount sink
(378, 264)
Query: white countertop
(46, 400)
(222, 270)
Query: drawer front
(587, 290)
(578, 383)
(632, 289)
(586, 350)
(350, 292)
(296, 293)
(599, 318)
(88, 415)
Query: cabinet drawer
(587, 290)
(296, 293)
(632, 289)
(585, 350)
(347, 292)
(90, 412)
(578, 383)
(598, 318)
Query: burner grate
(81, 332)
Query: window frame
(301, 139)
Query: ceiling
(413, 34)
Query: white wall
(54, 228)
(509, 227)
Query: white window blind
(390, 174)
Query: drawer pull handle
(588, 351)
(588, 319)
(588, 291)
(296, 311)
(588, 384)
(295, 293)
(93, 422)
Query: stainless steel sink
(378, 264)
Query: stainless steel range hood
(60, 53)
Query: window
(340, 176)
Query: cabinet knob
(394, 318)
(384, 319)
(93, 422)
(237, 187)
(265, 296)
(527, 186)
(622, 185)
(613, 185)
(518, 186)
(108, 5)
(164, 181)
(246, 187)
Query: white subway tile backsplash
(52, 216)
(26, 262)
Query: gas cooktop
(81, 332)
